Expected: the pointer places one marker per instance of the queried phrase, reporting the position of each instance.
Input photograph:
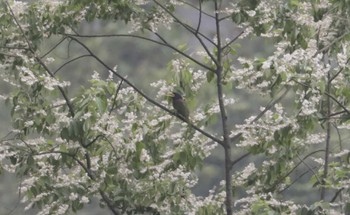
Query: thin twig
(194, 7)
(146, 39)
(294, 181)
(54, 47)
(340, 70)
(200, 34)
(142, 93)
(70, 107)
(326, 93)
(68, 62)
(92, 141)
(240, 158)
(233, 40)
(330, 44)
(190, 30)
(115, 96)
(199, 17)
(69, 104)
(311, 169)
(300, 162)
(268, 107)
(225, 17)
(336, 194)
(91, 176)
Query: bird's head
(176, 96)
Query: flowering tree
(135, 153)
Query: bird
(180, 105)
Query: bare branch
(115, 96)
(70, 61)
(233, 40)
(337, 194)
(294, 181)
(194, 7)
(240, 158)
(53, 48)
(225, 17)
(292, 170)
(164, 43)
(311, 169)
(190, 30)
(200, 34)
(199, 17)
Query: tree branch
(195, 33)
(233, 40)
(220, 95)
(54, 47)
(70, 107)
(268, 107)
(115, 96)
(91, 176)
(292, 170)
(68, 62)
(337, 194)
(194, 7)
(146, 39)
(143, 94)
(239, 159)
(199, 17)
(330, 44)
(340, 70)
(328, 138)
(326, 93)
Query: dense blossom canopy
(113, 141)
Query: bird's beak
(170, 94)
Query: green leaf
(86, 125)
(210, 76)
(301, 41)
(101, 104)
(65, 134)
(294, 3)
(30, 161)
(237, 18)
(233, 51)
(13, 160)
(139, 147)
(182, 47)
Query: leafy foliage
(113, 141)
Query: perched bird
(180, 106)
